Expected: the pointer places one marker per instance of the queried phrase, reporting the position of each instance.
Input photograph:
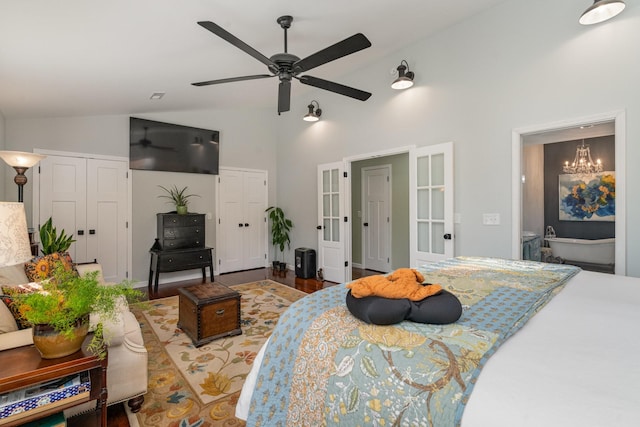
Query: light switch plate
(491, 219)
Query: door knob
(319, 227)
(447, 236)
(366, 224)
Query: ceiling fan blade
(224, 34)
(346, 47)
(284, 96)
(335, 87)
(232, 79)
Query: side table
(23, 367)
(178, 260)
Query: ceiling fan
(287, 66)
(145, 142)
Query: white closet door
(255, 203)
(230, 221)
(106, 233)
(241, 228)
(89, 199)
(63, 197)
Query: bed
(566, 357)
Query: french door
(431, 203)
(331, 219)
(431, 236)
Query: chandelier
(582, 163)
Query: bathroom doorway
(535, 189)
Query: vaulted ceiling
(79, 57)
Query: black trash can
(305, 263)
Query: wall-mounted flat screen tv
(168, 147)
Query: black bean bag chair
(438, 309)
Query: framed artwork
(587, 197)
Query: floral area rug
(199, 386)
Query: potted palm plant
(178, 197)
(58, 310)
(280, 227)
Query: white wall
(519, 64)
(246, 140)
(4, 169)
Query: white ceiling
(80, 57)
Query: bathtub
(601, 251)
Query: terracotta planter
(51, 344)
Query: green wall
(399, 207)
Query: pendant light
(601, 10)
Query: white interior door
(88, 198)
(431, 203)
(255, 226)
(376, 222)
(63, 197)
(241, 227)
(331, 225)
(106, 228)
(230, 221)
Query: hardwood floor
(116, 415)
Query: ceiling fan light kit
(601, 10)
(287, 66)
(405, 77)
(313, 116)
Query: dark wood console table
(179, 260)
(23, 367)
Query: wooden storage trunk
(209, 311)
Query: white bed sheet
(575, 363)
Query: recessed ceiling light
(156, 95)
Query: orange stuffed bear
(402, 283)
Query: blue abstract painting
(587, 197)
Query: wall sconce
(601, 10)
(313, 116)
(404, 80)
(20, 161)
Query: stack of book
(25, 402)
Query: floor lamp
(20, 161)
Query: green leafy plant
(67, 297)
(52, 242)
(280, 227)
(177, 197)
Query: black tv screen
(168, 147)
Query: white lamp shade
(20, 158)
(15, 247)
(601, 10)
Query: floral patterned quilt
(325, 367)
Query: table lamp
(15, 247)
